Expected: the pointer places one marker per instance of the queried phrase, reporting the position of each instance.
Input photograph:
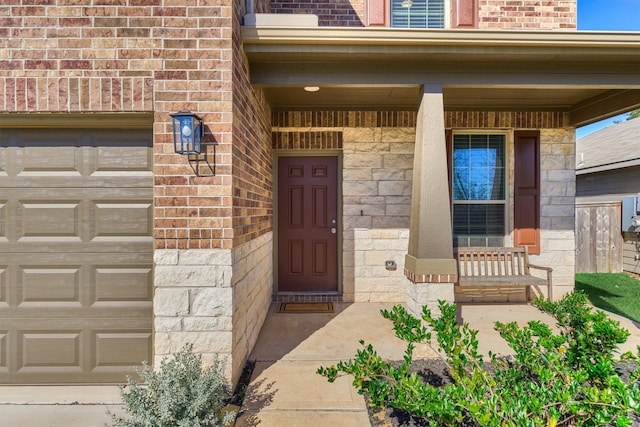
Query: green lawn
(614, 292)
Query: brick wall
(331, 13)
(66, 56)
(492, 14)
(251, 152)
(527, 14)
(110, 56)
(195, 73)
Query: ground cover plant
(180, 393)
(567, 378)
(615, 292)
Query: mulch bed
(434, 372)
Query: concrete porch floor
(285, 390)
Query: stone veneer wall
(557, 201)
(376, 186)
(252, 284)
(377, 150)
(215, 299)
(193, 302)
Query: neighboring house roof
(613, 147)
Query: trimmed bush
(570, 378)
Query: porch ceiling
(589, 75)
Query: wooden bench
(479, 266)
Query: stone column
(429, 265)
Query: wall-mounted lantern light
(187, 131)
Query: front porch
(389, 104)
(285, 389)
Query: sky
(607, 15)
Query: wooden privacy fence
(599, 238)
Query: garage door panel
(49, 349)
(97, 281)
(77, 220)
(125, 219)
(4, 339)
(121, 283)
(4, 271)
(118, 348)
(49, 219)
(3, 221)
(75, 350)
(76, 224)
(99, 158)
(34, 161)
(48, 284)
(116, 160)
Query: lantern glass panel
(187, 130)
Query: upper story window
(418, 13)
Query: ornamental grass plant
(180, 393)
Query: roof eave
(608, 167)
(432, 37)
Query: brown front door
(307, 224)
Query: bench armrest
(539, 267)
(549, 284)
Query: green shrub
(180, 393)
(569, 378)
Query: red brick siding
(331, 13)
(492, 14)
(110, 56)
(528, 14)
(458, 119)
(325, 140)
(289, 119)
(262, 6)
(191, 211)
(251, 153)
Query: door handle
(334, 230)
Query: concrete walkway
(285, 390)
(58, 406)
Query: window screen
(417, 13)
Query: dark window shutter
(377, 13)
(526, 212)
(464, 14)
(448, 136)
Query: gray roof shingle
(613, 147)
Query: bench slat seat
(485, 266)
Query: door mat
(306, 307)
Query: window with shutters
(478, 189)
(418, 13)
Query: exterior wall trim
(77, 120)
(387, 36)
